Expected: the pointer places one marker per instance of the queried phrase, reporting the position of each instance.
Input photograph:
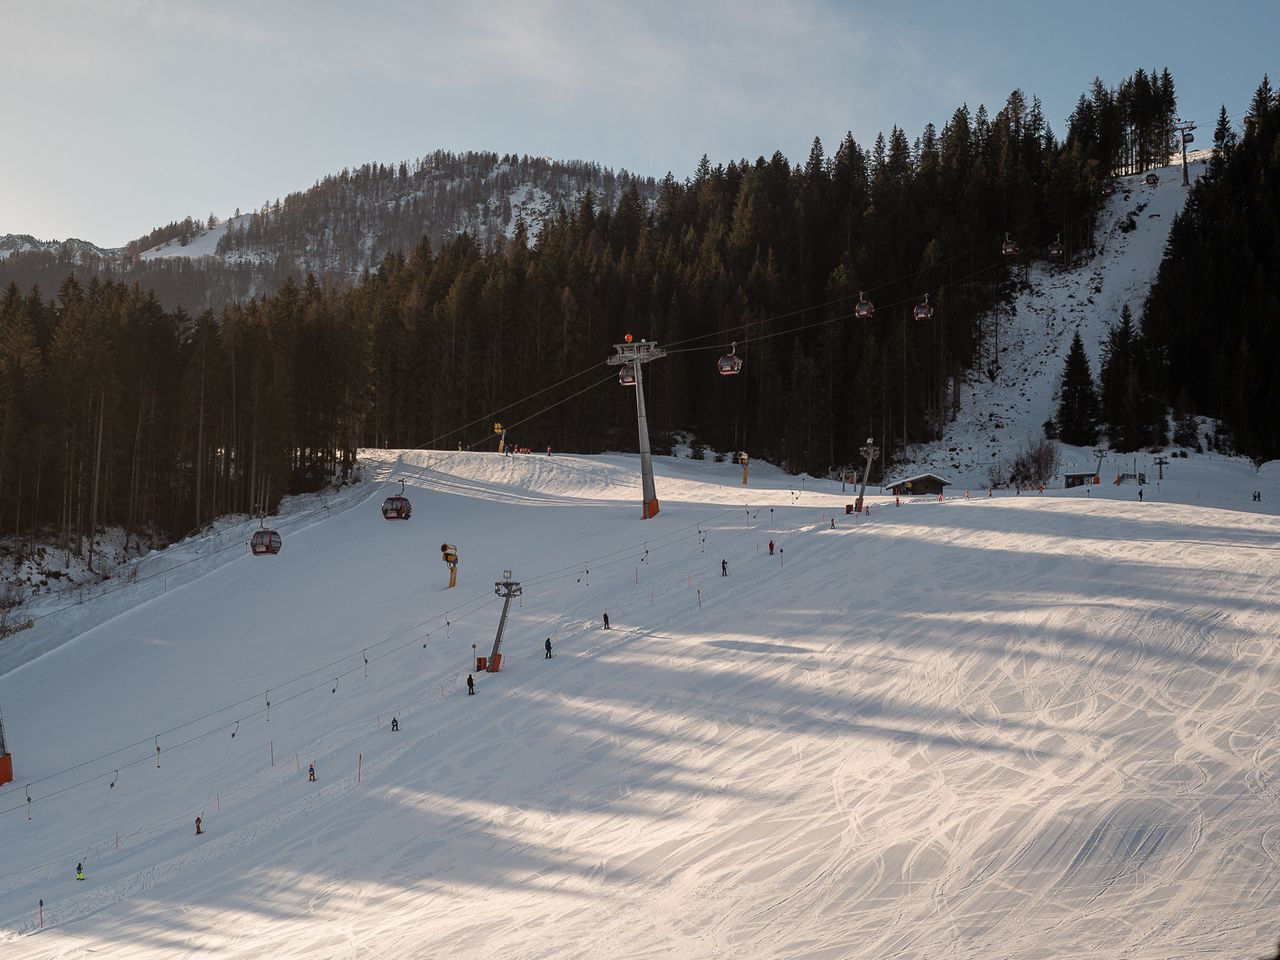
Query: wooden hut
(923, 484)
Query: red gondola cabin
(396, 508)
(730, 363)
(265, 541)
(865, 310)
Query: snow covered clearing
(1021, 726)
(1013, 391)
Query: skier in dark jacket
(547, 646)
(606, 619)
(395, 725)
(79, 871)
(311, 773)
(724, 568)
(199, 829)
(471, 685)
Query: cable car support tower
(506, 588)
(635, 356)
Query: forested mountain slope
(343, 225)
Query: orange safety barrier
(481, 664)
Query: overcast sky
(121, 115)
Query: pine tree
(1078, 403)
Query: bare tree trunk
(132, 515)
(200, 445)
(97, 471)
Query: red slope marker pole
(359, 766)
(42, 913)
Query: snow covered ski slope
(1010, 727)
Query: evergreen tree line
(1124, 405)
(1212, 322)
(1210, 328)
(1127, 129)
(117, 410)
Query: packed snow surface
(1035, 726)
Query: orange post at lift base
(495, 663)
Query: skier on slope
(395, 725)
(771, 548)
(724, 568)
(606, 619)
(79, 871)
(547, 646)
(311, 773)
(471, 685)
(199, 829)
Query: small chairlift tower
(730, 363)
(627, 375)
(265, 541)
(6, 758)
(865, 310)
(922, 309)
(397, 507)
(1010, 246)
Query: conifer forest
(118, 408)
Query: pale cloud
(140, 111)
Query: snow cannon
(449, 554)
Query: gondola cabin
(397, 508)
(922, 310)
(1152, 179)
(627, 375)
(1109, 188)
(729, 364)
(265, 542)
(865, 310)
(1055, 251)
(1010, 247)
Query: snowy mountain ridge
(347, 222)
